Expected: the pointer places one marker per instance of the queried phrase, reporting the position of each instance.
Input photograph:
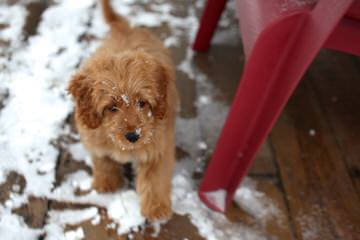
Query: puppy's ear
(161, 99)
(80, 88)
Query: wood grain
(322, 198)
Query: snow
(77, 234)
(72, 217)
(211, 225)
(125, 210)
(204, 100)
(310, 222)
(186, 65)
(79, 153)
(57, 220)
(14, 16)
(126, 99)
(202, 145)
(96, 220)
(138, 131)
(36, 77)
(12, 227)
(255, 202)
(312, 132)
(171, 41)
(157, 228)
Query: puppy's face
(123, 96)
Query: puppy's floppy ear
(161, 99)
(80, 88)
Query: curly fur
(128, 85)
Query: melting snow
(72, 216)
(126, 211)
(138, 131)
(312, 132)
(77, 234)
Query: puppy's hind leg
(108, 174)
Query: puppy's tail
(113, 19)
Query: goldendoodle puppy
(126, 103)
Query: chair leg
(260, 98)
(208, 23)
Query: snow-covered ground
(33, 79)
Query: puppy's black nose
(132, 136)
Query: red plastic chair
(280, 39)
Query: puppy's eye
(141, 104)
(113, 109)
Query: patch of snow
(255, 202)
(54, 232)
(96, 220)
(157, 228)
(12, 227)
(79, 153)
(138, 131)
(312, 132)
(202, 145)
(146, 19)
(188, 133)
(77, 234)
(310, 225)
(66, 191)
(16, 188)
(13, 16)
(203, 100)
(23, 118)
(125, 210)
(72, 217)
(212, 124)
(172, 41)
(126, 99)
(149, 114)
(186, 65)
(211, 225)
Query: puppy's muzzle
(132, 137)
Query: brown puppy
(126, 103)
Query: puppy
(125, 110)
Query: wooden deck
(310, 162)
(309, 166)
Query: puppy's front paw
(157, 210)
(107, 184)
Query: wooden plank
(277, 225)
(337, 83)
(35, 10)
(264, 163)
(97, 231)
(33, 212)
(14, 183)
(322, 199)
